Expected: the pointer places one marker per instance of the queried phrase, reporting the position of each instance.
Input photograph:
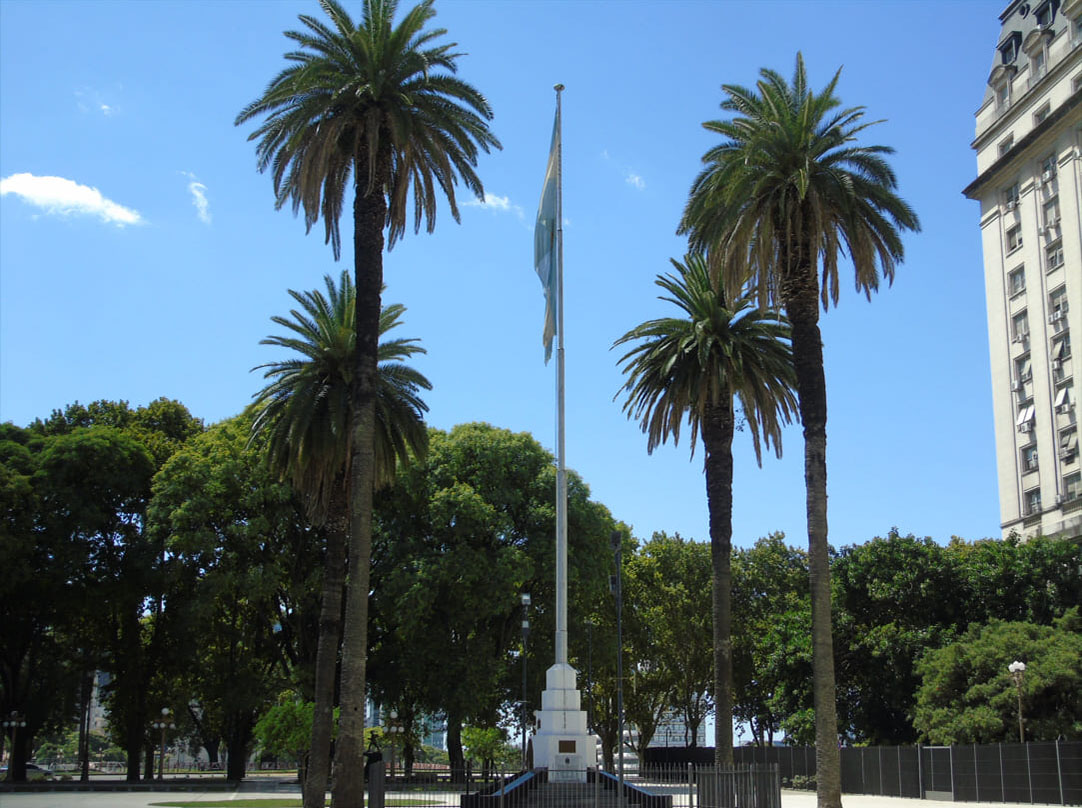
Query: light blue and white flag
(545, 249)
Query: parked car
(36, 773)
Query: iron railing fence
(1038, 772)
(755, 786)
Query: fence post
(1029, 774)
(691, 793)
(952, 771)
(920, 771)
(503, 784)
(597, 786)
(976, 774)
(1059, 773)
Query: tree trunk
(239, 740)
(330, 630)
(369, 216)
(800, 294)
(717, 432)
(456, 760)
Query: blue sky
(151, 264)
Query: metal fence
(665, 787)
(1038, 772)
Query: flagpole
(561, 470)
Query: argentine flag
(545, 252)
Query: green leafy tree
(772, 641)
(459, 537)
(894, 598)
(244, 566)
(305, 412)
(693, 366)
(968, 695)
(671, 628)
(379, 105)
(285, 730)
(786, 191)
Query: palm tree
(379, 105)
(304, 413)
(785, 192)
(692, 366)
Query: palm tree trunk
(800, 294)
(717, 430)
(330, 631)
(369, 216)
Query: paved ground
(790, 799)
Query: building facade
(1029, 186)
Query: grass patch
(270, 802)
(283, 802)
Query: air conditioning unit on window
(1057, 364)
(1047, 176)
(1017, 386)
(1026, 427)
(1063, 409)
(1022, 336)
(1011, 204)
(1056, 316)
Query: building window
(1072, 487)
(1068, 444)
(1023, 370)
(1026, 418)
(1020, 327)
(1005, 145)
(1054, 256)
(1048, 168)
(1010, 197)
(1008, 50)
(1033, 502)
(1040, 115)
(1057, 304)
(1014, 237)
(1044, 14)
(1061, 348)
(1016, 281)
(1029, 458)
(1051, 211)
(1064, 399)
(1003, 100)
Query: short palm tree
(692, 367)
(786, 191)
(375, 107)
(304, 413)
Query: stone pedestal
(562, 742)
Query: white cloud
(65, 197)
(605, 154)
(494, 202)
(90, 100)
(199, 197)
(635, 180)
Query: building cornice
(1048, 124)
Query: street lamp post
(616, 583)
(395, 729)
(13, 722)
(525, 637)
(163, 723)
(1018, 670)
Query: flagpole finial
(558, 87)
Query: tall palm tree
(693, 366)
(304, 412)
(379, 105)
(786, 191)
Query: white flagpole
(561, 471)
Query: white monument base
(562, 743)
